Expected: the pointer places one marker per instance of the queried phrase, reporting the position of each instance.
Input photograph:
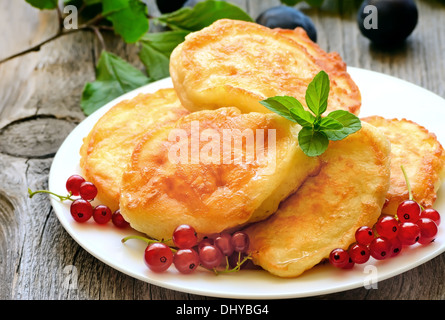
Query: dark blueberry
(387, 23)
(166, 6)
(285, 17)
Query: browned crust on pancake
(237, 63)
(108, 146)
(422, 156)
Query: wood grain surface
(39, 106)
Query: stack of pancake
(163, 158)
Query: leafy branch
(130, 20)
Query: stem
(234, 269)
(99, 36)
(61, 198)
(92, 21)
(86, 26)
(39, 45)
(407, 183)
(147, 240)
(409, 188)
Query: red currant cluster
(81, 208)
(410, 225)
(188, 253)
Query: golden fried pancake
(214, 170)
(334, 65)
(422, 157)
(325, 212)
(108, 147)
(237, 63)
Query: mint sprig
(316, 130)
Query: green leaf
(317, 93)
(156, 49)
(202, 15)
(109, 6)
(129, 18)
(43, 4)
(281, 105)
(114, 77)
(313, 143)
(327, 123)
(351, 124)
(304, 118)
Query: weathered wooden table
(39, 106)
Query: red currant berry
(240, 241)
(364, 235)
(73, 184)
(349, 265)
(210, 256)
(359, 253)
(396, 247)
(158, 257)
(409, 233)
(205, 242)
(339, 258)
(387, 227)
(81, 210)
(428, 230)
(432, 214)
(380, 248)
(88, 190)
(186, 260)
(408, 211)
(224, 243)
(184, 237)
(102, 214)
(118, 220)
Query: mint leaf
(317, 93)
(43, 4)
(129, 18)
(156, 49)
(329, 124)
(317, 130)
(114, 77)
(351, 124)
(303, 117)
(281, 105)
(313, 143)
(202, 15)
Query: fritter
(238, 63)
(422, 157)
(108, 147)
(215, 170)
(327, 209)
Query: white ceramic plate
(381, 94)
